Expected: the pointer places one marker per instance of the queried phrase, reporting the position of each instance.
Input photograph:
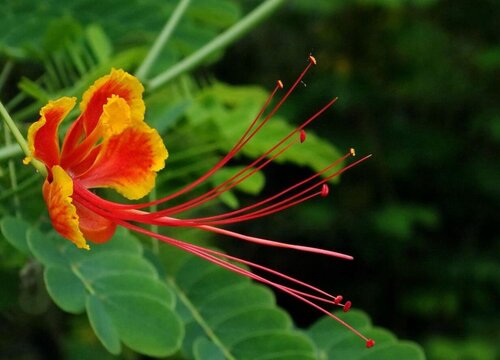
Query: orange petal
(94, 227)
(128, 162)
(43, 141)
(118, 83)
(62, 212)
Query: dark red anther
(280, 84)
(302, 135)
(324, 190)
(370, 343)
(312, 59)
(338, 299)
(347, 306)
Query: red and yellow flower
(110, 146)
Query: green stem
(20, 139)
(12, 175)
(162, 39)
(220, 42)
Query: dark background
(418, 85)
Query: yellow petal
(62, 212)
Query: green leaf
(229, 317)
(14, 230)
(231, 109)
(402, 350)
(65, 288)
(144, 323)
(118, 287)
(252, 185)
(99, 43)
(102, 324)
(274, 344)
(21, 28)
(334, 341)
(46, 248)
(205, 350)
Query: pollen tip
(370, 343)
(347, 306)
(280, 84)
(324, 190)
(312, 60)
(352, 151)
(27, 160)
(338, 299)
(303, 135)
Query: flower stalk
(11, 125)
(220, 42)
(154, 52)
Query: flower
(109, 145)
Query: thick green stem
(162, 39)
(20, 139)
(220, 42)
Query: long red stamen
(97, 204)
(233, 181)
(242, 141)
(283, 204)
(208, 254)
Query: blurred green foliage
(418, 82)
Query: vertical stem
(162, 39)
(11, 125)
(12, 174)
(220, 42)
(8, 141)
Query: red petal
(118, 83)
(94, 227)
(128, 162)
(43, 141)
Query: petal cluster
(108, 146)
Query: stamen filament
(283, 204)
(207, 255)
(197, 201)
(243, 141)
